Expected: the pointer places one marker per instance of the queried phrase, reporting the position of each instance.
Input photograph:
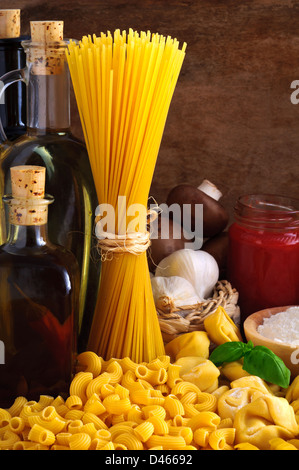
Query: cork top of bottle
(28, 181)
(28, 205)
(46, 31)
(10, 23)
(46, 55)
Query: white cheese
(283, 327)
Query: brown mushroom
(215, 216)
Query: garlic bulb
(173, 292)
(197, 267)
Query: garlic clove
(198, 267)
(173, 292)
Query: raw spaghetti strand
(123, 85)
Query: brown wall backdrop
(231, 118)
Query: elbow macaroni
(121, 405)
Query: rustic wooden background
(231, 118)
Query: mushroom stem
(210, 189)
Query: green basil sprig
(257, 360)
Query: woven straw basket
(177, 321)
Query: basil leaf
(264, 363)
(229, 352)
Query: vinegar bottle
(12, 56)
(49, 142)
(39, 284)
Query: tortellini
(233, 370)
(199, 371)
(221, 328)
(196, 343)
(234, 399)
(265, 418)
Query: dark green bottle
(12, 57)
(49, 142)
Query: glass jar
(263, 256)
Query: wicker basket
(191, 317)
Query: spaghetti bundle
(123, 86)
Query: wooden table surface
(231, 118)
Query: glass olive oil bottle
(39, 284)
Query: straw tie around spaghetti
(131, 242)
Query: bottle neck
(27, 219)
(27, 236)
(48, 89)
(48, 105)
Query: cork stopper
(28, 206)
(28, 181)
(48, 58)
(10, 24)
(46, 31)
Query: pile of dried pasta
(124, 85)
(122, 405)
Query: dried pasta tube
(17, 406)
(73, 402)
(49, 413)
(201, 437)
(173, 406)
(108, 446)
(17, 424)
(94, 405)
(129, 440)
(144, 431)
(63, 438)
(160, 425)
(91, 362)
(223, 438)
(207, 419)
(80, 441)
(167, 442)
(41, 435)
(22, 445)
(79, 385)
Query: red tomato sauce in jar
(263, 259)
